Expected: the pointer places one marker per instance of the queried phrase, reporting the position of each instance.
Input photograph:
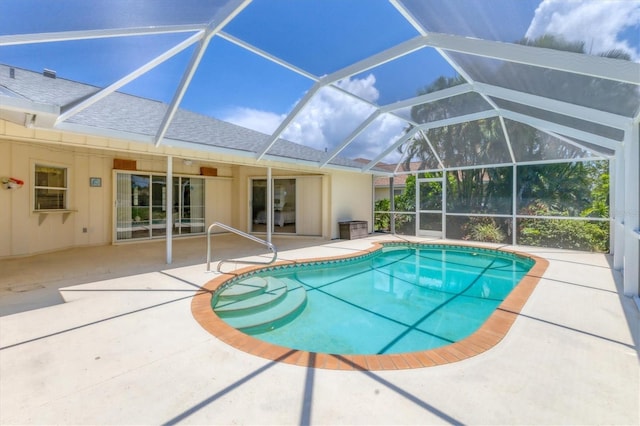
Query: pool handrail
(242, 234)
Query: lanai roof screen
(389, 81)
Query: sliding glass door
(188, 205)
(259, 205)
(141, 204)
(283, 203)
(158, 206)
(132, 206)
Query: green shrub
(562, 233)
(483, 229)
(382, 221)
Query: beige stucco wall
(89, 222)
(382, 193)
(5, 201)
(23, 231)
(351, 199)
(342, 195)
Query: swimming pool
(402, 298)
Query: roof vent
(49, 73)
(12, 72)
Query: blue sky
(319, 36)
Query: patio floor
(105, 335)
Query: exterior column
(269, 205)
(444, 204)
(617, 207)
(169, 209)
(514, 205)
(632, 212)
(392, 207)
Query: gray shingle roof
(135, 115)
(38, 88)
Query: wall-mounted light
(187, 162)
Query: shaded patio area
(86, 337)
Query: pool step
(245, 288)
(241, 297)
(261, 303)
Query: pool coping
(486, 337)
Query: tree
(471, 143)
(561, 189)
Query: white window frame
(36, 187)
(173, 218)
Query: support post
(514, 205)
(617, 208)
(392, 208)
(269, 204)
(444, 204)
(632, 212)
(169, 208)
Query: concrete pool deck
(105, 335)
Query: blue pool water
(403, 298)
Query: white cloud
(260, 121)
(598, 23)
(362, 87)
(330, 116)
(328, 119)
(382, 133)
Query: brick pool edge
(487, 336)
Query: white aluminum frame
(625, 177)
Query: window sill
(43, 214)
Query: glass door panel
(141, 206)
(259, 205)
(123, 206)
(284, 206)
(188, 205)
(158, 206)
(192, 210)
(140, 197)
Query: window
(50, 188)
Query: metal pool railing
(242, 234)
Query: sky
(318, 36)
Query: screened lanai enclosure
(513, 122)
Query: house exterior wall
(89, 219)
(350, 200)
(218, 199)
(24, 231)
(6, 205)
(327, 198)
(382, 192)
